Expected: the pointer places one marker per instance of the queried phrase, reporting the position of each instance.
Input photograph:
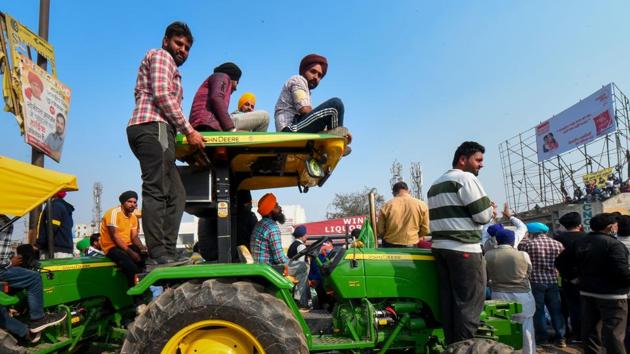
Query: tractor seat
(244, 255)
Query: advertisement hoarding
(579, 124)
(46, 105)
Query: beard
(178, 59)
(279, 218)
(312, 84)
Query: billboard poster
(579, 124)
(46, 106)
(599, 178)
(334, 227)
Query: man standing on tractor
(151, 134)
(294, 111)
(22, 278)
(403, 220)
(119, 236)
(458, 209)
(266, 243)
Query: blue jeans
(12, 325)
(21, 278)
(549, 295)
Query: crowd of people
(598, 190)
(521, 265)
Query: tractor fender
(210, 271)
(6, 299)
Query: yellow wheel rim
(213, 336)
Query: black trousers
(604, 325)
(163, 194)
(462, 289)
(126, 264)
(571, 307)
(326, 116)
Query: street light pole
(37, 157)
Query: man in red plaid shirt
(151, 133)
(543, 251)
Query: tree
(353, 204)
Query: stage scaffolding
(530, 184)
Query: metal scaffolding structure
(530, 184)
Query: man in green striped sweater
(458, 209)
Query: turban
(311, 60)
(233, 71)
(127, 195)
(61, 194)
(299, 231)
(505, 237)
(247, 96)
(537, 228)
(493, 229)
(266, 204)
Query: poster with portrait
(585, 121)
(46, 103)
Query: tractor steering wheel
(312, 250)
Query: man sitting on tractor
(209, 111)
(119, 236)
(294, 110)
(266, 243)
(22, 278)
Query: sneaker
(33, 338)
(561, 343)
(48, 320)
(339, 131)
(165, 261)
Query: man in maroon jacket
(209, 110)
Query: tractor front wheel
(218, 315)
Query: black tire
(9, 345)
(243, 303)
(478, 346)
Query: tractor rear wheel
(478, 346)
(9, 345)
(216, 314)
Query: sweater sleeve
(475, 200)
(218, 90)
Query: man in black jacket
(61, 227)
(599, 264)
(570, 294)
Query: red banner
(334, 227)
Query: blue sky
(417, 77)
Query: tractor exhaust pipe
(372, 206)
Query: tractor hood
(24, 186)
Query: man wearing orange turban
(266, 243)
(245, 118)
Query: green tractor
(385, 300)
